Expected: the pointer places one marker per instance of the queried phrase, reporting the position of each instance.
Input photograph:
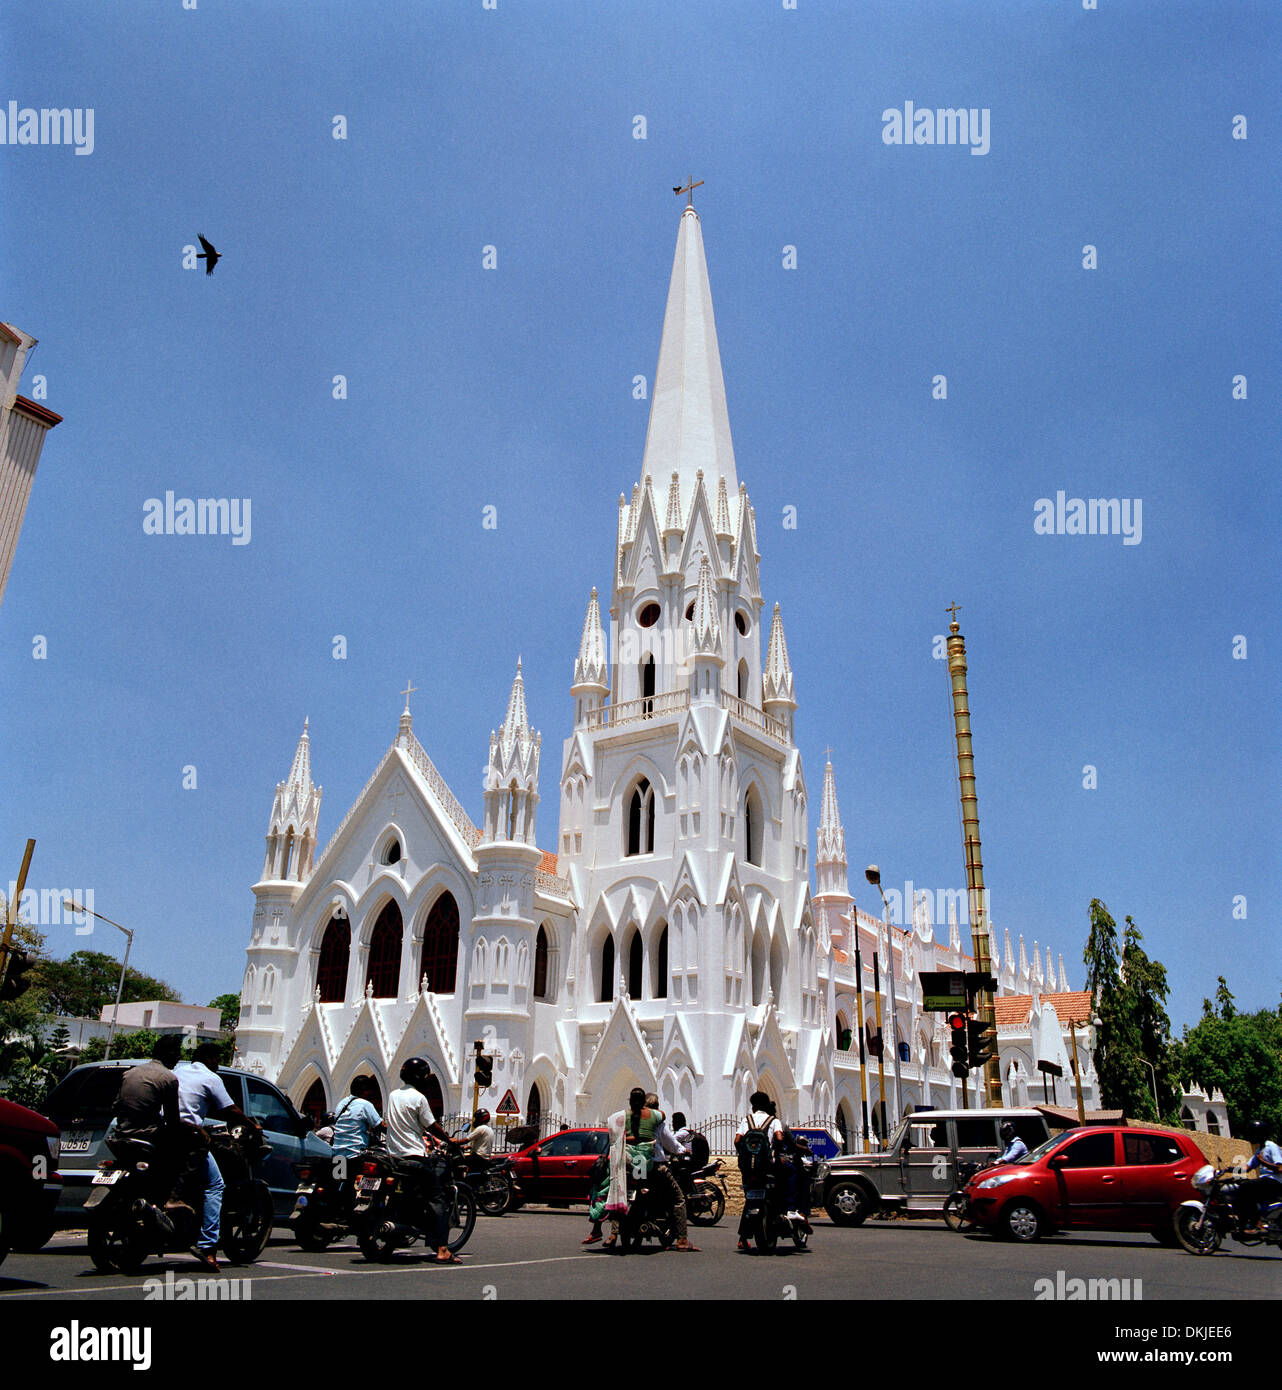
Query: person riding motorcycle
(761, 1116)
(356, 1121)
(147, 1109)
(1015, 1146)
(411, 1126)
(1253, 1197)
(201, 1094)
(665, 1144)
(479, 1140)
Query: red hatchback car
(1103, 1178)
(29, 1181)
(558, 1169)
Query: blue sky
(513, 388)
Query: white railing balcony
(635, 711)
(753, 717)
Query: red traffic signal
(958, 1047)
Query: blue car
(82, 1104)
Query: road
(536, 1254)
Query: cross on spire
(828, 753)
(954, 609)
(407, 692)
(688, 190)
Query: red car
(1103, 1178)
(558, 1169)
(29, 1181)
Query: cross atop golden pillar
(689, 190)
(954, 609)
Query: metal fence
(527, 1132)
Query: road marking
(298, 1269)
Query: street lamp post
(873, 874)
(120, 988)
(1157, 1104)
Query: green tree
(135, 1044)
(87, 980)
(24, 1021)
(1240, 1055)
(1144, 989)
(229, 1008)
(1117, 1037)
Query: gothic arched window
(641, 819)
(752, 826)
(511, 811)
(385, 953)
(331, 977)
(313, 1105)
(607, 970)
(647, 683)
(743, 680)
(636, 959)
(661, 966)
(287, 852)
(439, 958)
(541, 965)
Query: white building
(671, 939)
(23, 426)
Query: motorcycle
(493, 1184)
(957, 1214)
(649, 1217)
(388, 1213)
(322, 1203)
(127, 1216)
(704, 1190)
(765, 1216)
(1201, 1225)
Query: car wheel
(1165, 1234)
(1197, 1236)
(712, 1207)
(847, 1203)
(1022, 1221)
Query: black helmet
(1007, 1131)
(482, 1117)
(1256, 1131)
(415, 1071)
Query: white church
(670, 937)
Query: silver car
(917, 1169)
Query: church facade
(671, 938)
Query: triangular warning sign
(508, 1105)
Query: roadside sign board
(508, 1105)
(943, 991)
(1052, 1068)
(822, 1143)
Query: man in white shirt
(200, 1095)
(411, 1130)
(761, 1117)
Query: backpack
(700, 1150)
(755, 1158)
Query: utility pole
(863, 1060)
(988, 1092)
(11, 915)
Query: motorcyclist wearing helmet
(411, 1127)
(1254, 1197)
(1015, 1146)
(479, 1140)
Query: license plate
(76, 1141)
(106, 1179)
(305, 1191)
(368, 1184)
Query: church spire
(778, 678)
(830, 843)
(516, 726)
(512, 774)
(291, 833)
(707, 630)
(591, 670)
(689, 423)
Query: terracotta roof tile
(548, 863)
(1013, 1009)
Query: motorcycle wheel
(246, 1222)
(712, 1207)
(116, 1243)
(957, 1215)
(376, 1247)
(1198, 1237)
(311, 1235)
(462, 1217)
(766, 1234)
(495, 1197)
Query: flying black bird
(208, 255)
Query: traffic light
(957, 1047)
(980, 1041)
(484, 1073)
(14, 983)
